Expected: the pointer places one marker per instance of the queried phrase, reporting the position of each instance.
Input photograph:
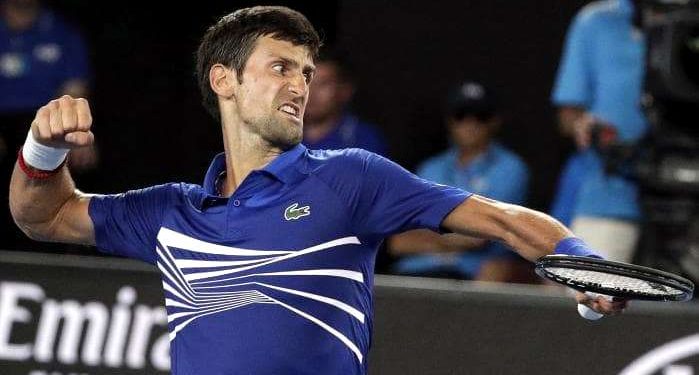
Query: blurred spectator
(599, 86)
(41, 58)
(328, 123)
(476, 163)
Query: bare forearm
(46, 205)
(425, 241)
(531, 233)
(36, 204)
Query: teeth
(288, 109)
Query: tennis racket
(613, 279)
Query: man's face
(471, 133)
(272, 97)
(329, 93)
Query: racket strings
(612, 282)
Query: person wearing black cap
(478, 163)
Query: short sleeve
(127, 224)
(573, 80)
(393, 200)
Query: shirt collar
(282, 167)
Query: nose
(298, 85)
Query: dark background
(152, 129)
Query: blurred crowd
(597, 96)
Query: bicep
(73, 223)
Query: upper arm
(392, 200)
(72, 224)
(127, 224)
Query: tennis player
(268, 267)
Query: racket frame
(647, 274)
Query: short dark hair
(231, 41)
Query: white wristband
(42, 157)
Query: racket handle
(587, 312)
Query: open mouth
(292, 110)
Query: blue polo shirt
(351, 132)
(601, 70)
(277, 278)
(35, 63)
(497, 173)
(603, 65)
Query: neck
(245, 152)
(467, 154)
(313, 131)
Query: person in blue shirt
(599, 83)
(268, 267)
(328, 122)
(41, 57)
(475, 162)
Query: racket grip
(587, 312)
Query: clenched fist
(64, 123)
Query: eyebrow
(293, 63)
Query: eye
(308, 76)
(279, 68)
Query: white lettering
(160, 354)
(10, 312)
(74, 316)
(94, 338)
(69, 331)
(119, 327)
(144, 319)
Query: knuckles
(66, 113)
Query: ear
(222, 80)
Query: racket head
(617, 279)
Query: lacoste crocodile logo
(294, 212)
